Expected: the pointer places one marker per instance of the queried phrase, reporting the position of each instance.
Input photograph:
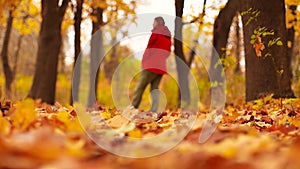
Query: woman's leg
(155, 94)
(145, 78)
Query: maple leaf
(259, 46)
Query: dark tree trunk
(263, 73)
(49, 44)
(192, 56)
(237, 68)
(181, 62)
(4, 54)
(96, 55)
(220, 36)
(77, 23)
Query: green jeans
(146, 78)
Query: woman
(153, 63)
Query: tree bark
(237, 68)
(96, 55)
(111, 65)
(4, 54)
(220, 36)
(77, 42)
(50, 40)
(61, 59)
(17, 54)
(181, 62)
(262, 73)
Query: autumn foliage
(262, 45)
(259, 134)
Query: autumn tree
(293, 26)
(182, 71)
(265, 38)
(237, 49)
(77, 8)
(49, 44)
(18, 16)
(220, 35)
(8, 72)
(119, 27)
(183, 63)
(96, 52)
(111, 8)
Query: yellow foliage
(106, 115)
(4, 126)
(291, 120)
(72, 124)
(66, 24)
(76, 147)
(63, 89)
(98, 3)
(135, 134)
(230, 152)
(93, 18)
(26, 17)
(292, 2)
(24, 114)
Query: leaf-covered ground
(261, 134)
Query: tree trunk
(61, 59)
(220, 36)
(96, 55)
(237, 68)
(181, 62)
(192, 56)
(17, 54)
(5, 62)
(77, 42)
(111, 65)
(271, 74)
(44, 82)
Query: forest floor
(255, 135)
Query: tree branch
(199, 17)
(63, 7)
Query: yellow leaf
(4, 126)
(230, 152)
(135, 134)
(71, 124)
(24, 114)
(106, 115)
(76, 147)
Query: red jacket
(158, 50)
